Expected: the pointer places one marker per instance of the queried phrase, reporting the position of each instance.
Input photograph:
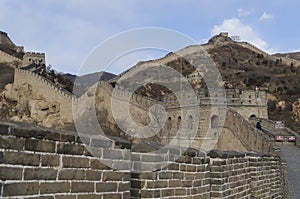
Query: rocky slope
(242, 66)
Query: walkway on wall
(292, 157)
(291, 154)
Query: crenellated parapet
(122, 94)
(5, 57)
(44, 83)
(233, 97)
(33, 57)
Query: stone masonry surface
(42, 163)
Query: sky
(68, 30)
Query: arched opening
(169, 123)
(169, 128)
(178, 122)
(214, 121)
(252, 116)
(190, 123)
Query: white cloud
(235, 27)
(242, 12)
(266, 16)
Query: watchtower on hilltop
(33, 58)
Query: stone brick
(197, 160)
(160, 184)
(112, 154)
(136, 184)
(79, 187)
(89, 196)
(71, 174)
(75, 162)
(124, 187)
(135, 157)
(101, 143)
(112, 176)
(149, 175)
(187, 183)
(178, 175)
(65, 197)
(189, 176)
(97, 164)
(106, 187)
(20, 189)
(112, 196)
(1, 157)
(10, 173)
(191, 168)
(50, 160)
(165, 175)
(55, 187)
(73, 149)
(167, 192)
(19, 158)
(93, 175)
(39, 145)
(40, 174)
(135, 193)
(175, 183)
(147, 194)
(152, 158)
(180, 192)
(11, 143)
(173, 166)
(184, 159)
(126, 195)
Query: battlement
(39, 162)
(5, 57)
(246, 103)
(33, 57)
(41, 80)
(34, 54)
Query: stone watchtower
(33, 57)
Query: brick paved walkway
(292, 157)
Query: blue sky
(67, 30)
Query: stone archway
(190, 123)
(214, 121)
(178, 122)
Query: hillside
(242, 66)
(293, 55)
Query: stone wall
(37, 163)
(45, 90)
(4, 57)
(238, 128)
(43, 163)
(33, 57)
(235, 134)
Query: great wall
(37, 162)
